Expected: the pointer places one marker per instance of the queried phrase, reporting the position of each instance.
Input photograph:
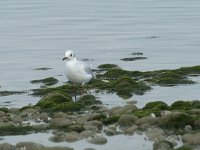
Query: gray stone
(188, 128)
(60, 115)
(58, 137)
(29, 146)
(98, 140)
(131, 130)
(88, 133)
(89, 149)
(6, 146)
(162, 145)
(127, 120)
(72, 137)
(44, 117)
(154, 132)
(122, 110)
(95, 123)
(2, 113)
(60, 122)
(147, 120)
(109, 132)
(14, 111)
(191, 138)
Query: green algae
(156, 105)
(60, 101)
(47, 81)
(43, 68)
(177, 121)
(68, 88)
(133, 58)
(4, 109)
(107, 66)
(159, 77)
(110, 120)
(184, 147)
(125, 87)
(56, 101)
(88, 100)
(137, 53)
(171, 78)
(185, 105)
(8, 93)
(16, 130)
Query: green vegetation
(133, 58)
(125, 87)
(7, 93)
(47, 81)
(43, 68)
(107, 66)
(110, 120)
(16, 130)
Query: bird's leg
(75, 92)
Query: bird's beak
(64, 58)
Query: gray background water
(36, 33)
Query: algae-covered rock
(16, 130)
(181, 105)
(185, 147)
(133, 58)
(107, 66)
(156, 105)
(185, 105)
(125, 87)
(171, 78)
(115, 74)
(8, 93)
(176, 120)
(58, 101)
(47, 81)
(110, 120)
(88, 100)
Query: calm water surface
(35, 33)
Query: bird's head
(69, 55)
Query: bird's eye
(70, 55)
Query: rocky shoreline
(88, 119)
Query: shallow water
(137, 141)
(36, 34)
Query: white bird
(77, 72)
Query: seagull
(77, 71)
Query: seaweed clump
(125, 87)
(7, 93)
(47, 81)
(59, 101)
(107, 66)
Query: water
(36, 33)
(138, 141)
